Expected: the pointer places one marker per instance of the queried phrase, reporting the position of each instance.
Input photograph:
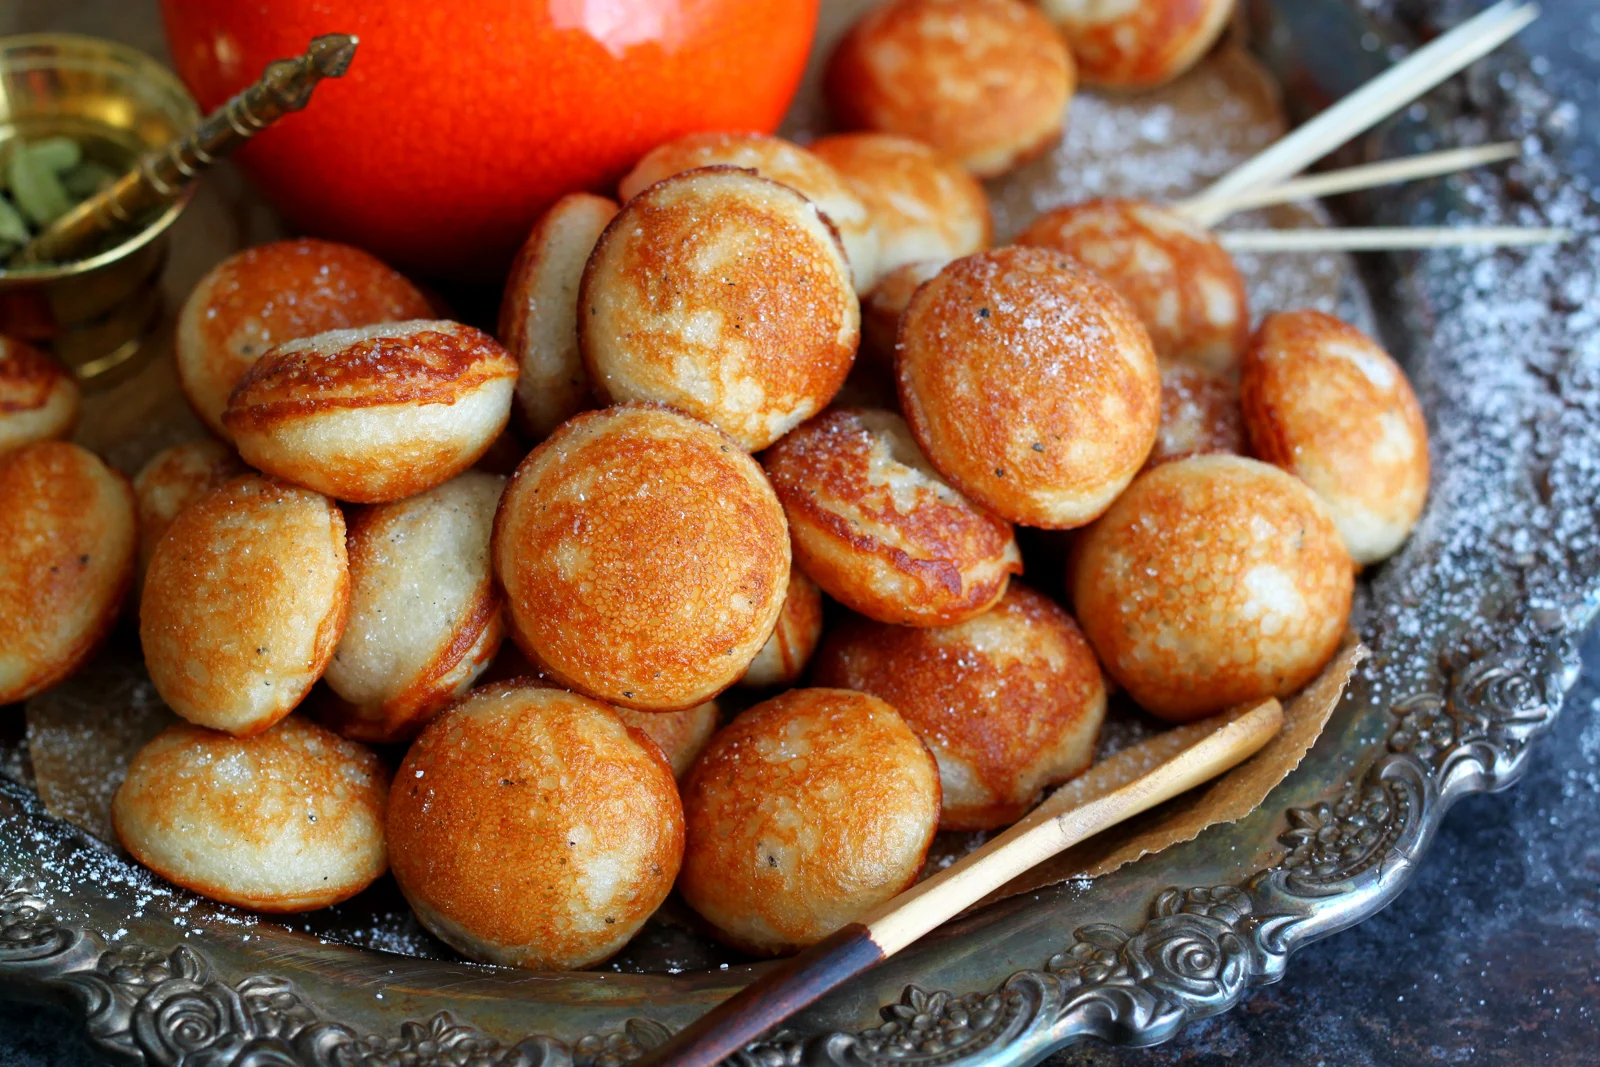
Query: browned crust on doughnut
(998, 709)
(73, 490)
(959, 557)
(1146, 46)
(28, 377)
(895, 69)
(1122, 240)
(436, 362)
(782, 660)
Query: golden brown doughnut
(288, 820)
(1137, 44)
(375, 414)
(67, 540)
(882, 308)
(273, 293)
(644, 557)
(782, 660)
(529, 827)
(1200, 413)
(681, 735)
(1182, 284)
(806, 811)
(424, 610)
(724, 295)
(985, 82)
(39, 398)
(539, 312)
(1326, 403)
(1029, 384)
(780, 161)
(1212, 581)
(1010, 702)
(173, 479)
(244, 602)
(921, 205)
(877, 527)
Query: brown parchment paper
(1228, 799)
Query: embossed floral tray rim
(160, 995)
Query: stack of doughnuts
(550, 636)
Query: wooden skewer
(1207, 211)
(1061, 821)
(1386, 238)
(1378, 99)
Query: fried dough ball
(921, 205)
(881, 310)
(681, 735)
(539, 312)
(1181, 282)
(878, 528)
(1139, 44)
(244, 603)
(288, 820)
(1212, 581)
(529, 827)
(39, 398)
(273, 293)
(1200, 413)
(644, 557)
(1010, 702)
(985, 82)
(1029, 384)
(173, 479)
(1323, 401)
(805, 812)
(424, 611)
(724, 295)
(375, 414)
(67, 542)
(782, 660)
(776, 160)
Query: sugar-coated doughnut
(273, 293)
(1200, 413)
(1010, 702)
(921, 205)
(879, 530)
(288, 820)
(39, 398)
(173, 479)
(1179, 279)
(67, 541)
(1030, 385)
(424, 611)
(1212, 581)
(530, 827)
(725, 295)
(783, 659)
(374, 414)
(882, 308)
(244, 603)
(780, 161)
(1137, 44)
(805, 812)
(539, 312)
(644, 557)
(1326, 403)
(985, 82)
(681, 735)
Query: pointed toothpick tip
(332, 52)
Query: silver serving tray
(1473, 627)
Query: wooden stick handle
(1386, 238)
(1378, 99)
(1050, 828)
(1208, 211)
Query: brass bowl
(95, 314)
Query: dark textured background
(1492, 955)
